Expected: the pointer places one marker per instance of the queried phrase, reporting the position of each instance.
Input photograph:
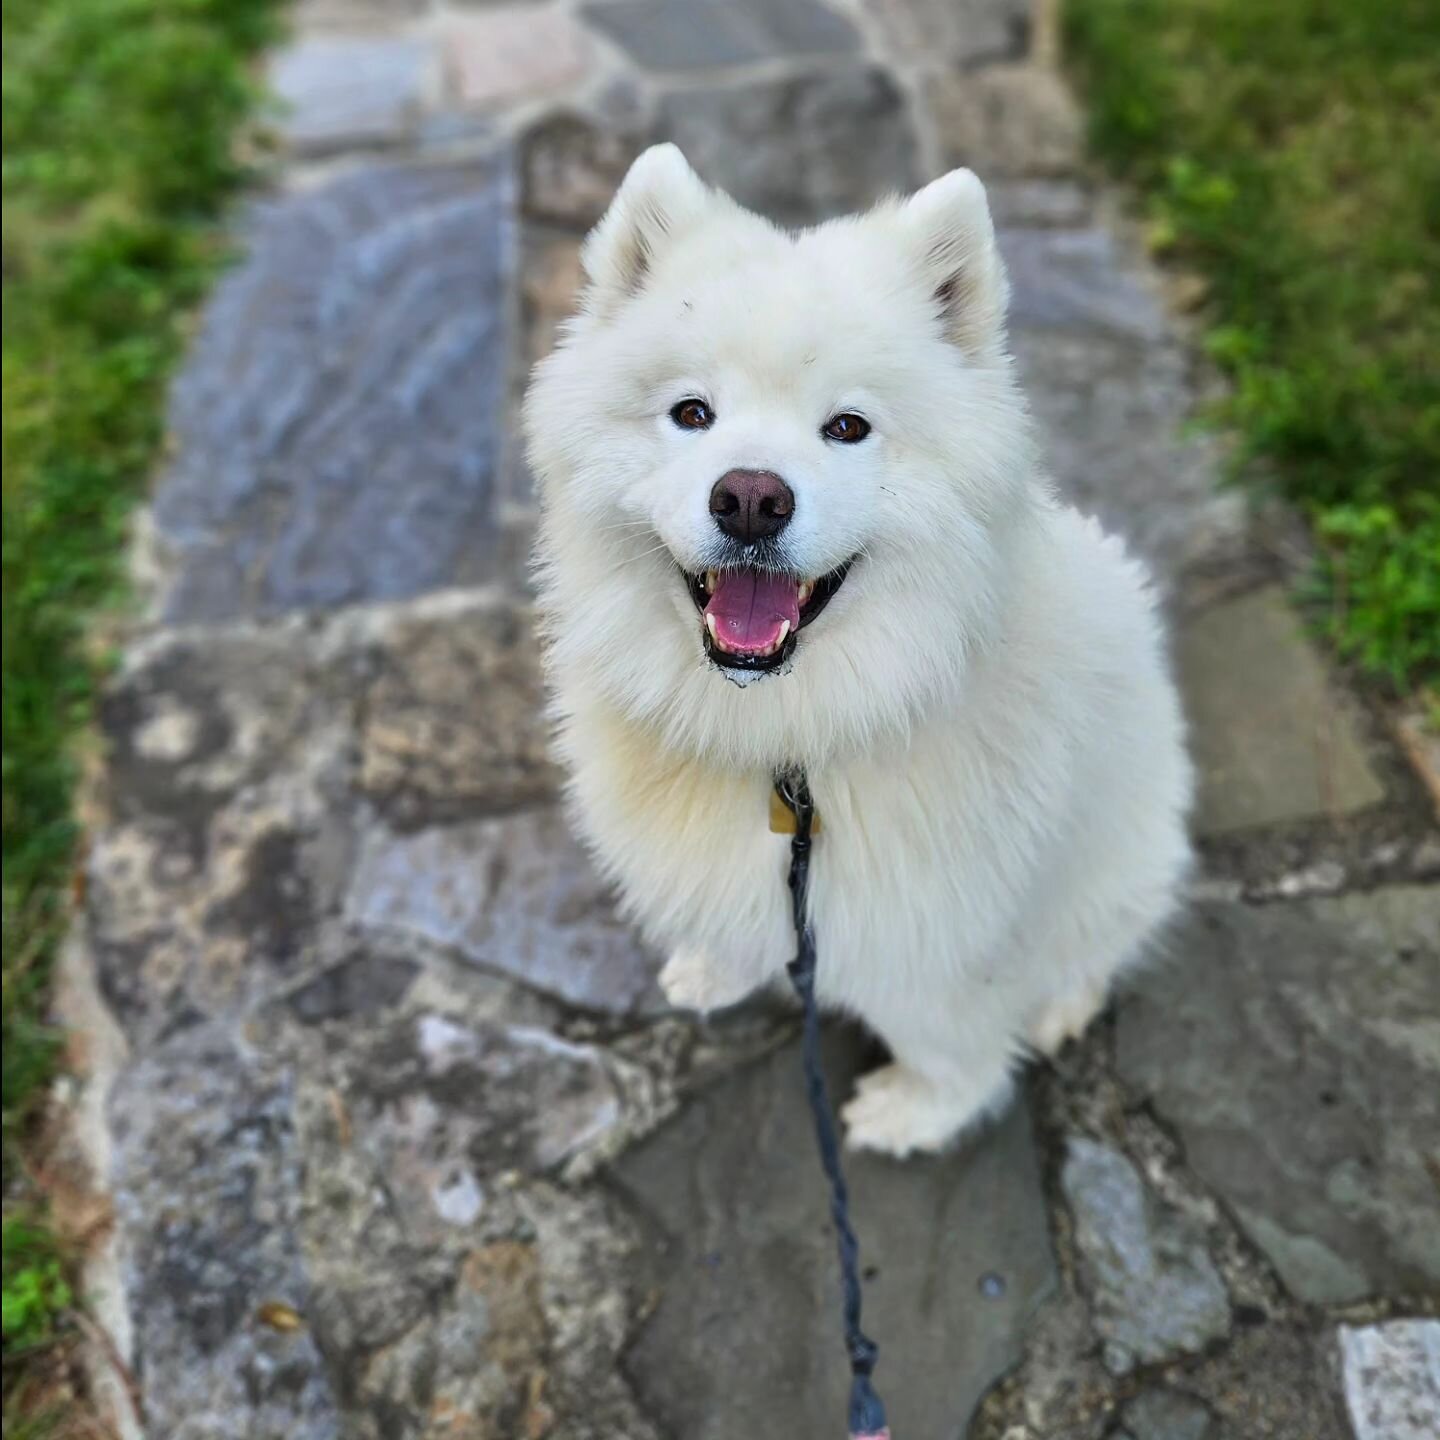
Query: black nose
(750, 505)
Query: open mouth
(751, 617)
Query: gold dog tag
(782, 818)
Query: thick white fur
(984, 709)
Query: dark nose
(750, 505)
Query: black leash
(867, 1412)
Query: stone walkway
(395, 1137)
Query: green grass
(1289, 151)
(119, 118)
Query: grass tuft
(118, 154)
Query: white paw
(691, 982)
(1065, 1018)
(898, 1112)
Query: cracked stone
(444, 1104)
(452, 722)
(343, 92)
(1272, 739)
(745, 1337)
(1155, 1292)
(357, 986)
(443, 1277)
(515, 895)
(337, 420)
(1295, 1050)
(707, 34)
(1391, 1374)
(802, 148)
(324, 1232)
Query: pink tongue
(749, 608)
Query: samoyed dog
(793, 515)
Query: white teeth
(711, 580)
(805, 590)
(767, 651)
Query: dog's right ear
(660, 197)
(953, 239)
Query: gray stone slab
(1039, 203)
(515, 895)
(746, 1336)
(451, 721)
(709, 34)
(1271, 738)
(1295, 1050)
(1391, 1374)
(1079, 280)
(365, 15)
(335, 1231)
(1111, 414)
(221, 849)
(1154, 1291)
(510, 54)
(205, 1183)
(947, 34)
(340, 91)
(441, 1104)
(1007, 120)
(1163, 1414)
(1112, 387)
(336, 423)
(802, 148)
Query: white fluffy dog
(792, 514)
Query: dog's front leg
(693, 980)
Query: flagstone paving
(398, 1137)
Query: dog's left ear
(954, 244)
(659, 198)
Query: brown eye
(693, 415)
(847, 428)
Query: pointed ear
(660, 197)
(954, 243)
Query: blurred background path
(399, 1138)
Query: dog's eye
(847, 428)
(693, 415)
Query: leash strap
(867, 1412)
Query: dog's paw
(1065, 1018)
(896, 1111)
(691, 982)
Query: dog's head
(780, 457)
